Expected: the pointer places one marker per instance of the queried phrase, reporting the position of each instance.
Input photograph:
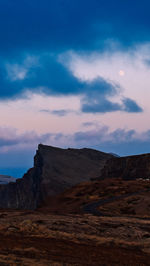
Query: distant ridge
(129, 167)
(5, 179)
(114, 154)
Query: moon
(121, 73)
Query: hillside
(106, 197)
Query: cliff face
(24, 194)
(64, 168)
(131, 167)
(54, 171)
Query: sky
(73, 74)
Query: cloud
(46, 74)
(131, 106)
(17, 150)
(61, 112)
(10, 138)
(147, 62)
(103, 105)
(99, 105)
(120, 141)
(53, 29)
(16, 72)
(96, 99)
(90, 124)
(19, 71)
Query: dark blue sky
(60, 25)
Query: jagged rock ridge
(54, 171)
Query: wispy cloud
(60, 112)
(100, 104)
(19, 71)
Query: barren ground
(60, 233)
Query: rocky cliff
(54, 171)
(130, 167)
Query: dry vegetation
(134, 195)
(39, 239)
(60, 233)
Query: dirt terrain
(63, 231)
(39, 239)
(110, 196)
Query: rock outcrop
(54, 171)
(130, 167)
